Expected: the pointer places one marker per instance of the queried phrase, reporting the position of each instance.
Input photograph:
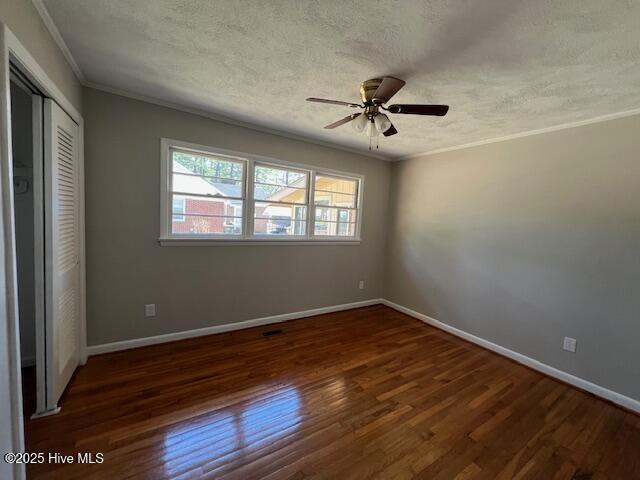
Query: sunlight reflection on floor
(232, 432)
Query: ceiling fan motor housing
(371, 110)
(368, 88)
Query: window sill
(223, 242)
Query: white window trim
(248, 238)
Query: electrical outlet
(569, 344)
(150, 310)
(361, 284)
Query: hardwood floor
(366, 393)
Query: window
(336, 205)
(217, 196)
(280, 200)
(207, 193)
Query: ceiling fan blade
(387, 89)
(343, 121)
(333, 102)
(390, 131)
(437, 110)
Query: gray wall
(197, 287)
(25, 23)
(21, 131)
(526, 241)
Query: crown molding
(231, 121)
(529, 133)
(55, 33)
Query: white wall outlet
(150, 310)
(569, 344)
(361, 284)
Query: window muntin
(224, 195)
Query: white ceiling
(504, 66)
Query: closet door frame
(13, 51)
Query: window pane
(336, 184)
(207, 165)
(345, 229)
(207, 175)
(336, 214)
(207, 186)
(203, 225)
(280, 194)
(334, 229)
(280, 176)
(280, 185)
(214, 207)
(198, 216)
(335, 222)
(279, 219)
(178, 207)
(335, 199)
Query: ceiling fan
(375, 93)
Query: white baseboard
(578, 382)
(171, 337)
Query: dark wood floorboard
(365, 393)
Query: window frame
(247, 237)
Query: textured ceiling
(504, 66)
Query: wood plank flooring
(365, 393)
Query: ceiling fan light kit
(382, 122)
(359, 124)
(374, 94)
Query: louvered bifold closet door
(62, 240)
